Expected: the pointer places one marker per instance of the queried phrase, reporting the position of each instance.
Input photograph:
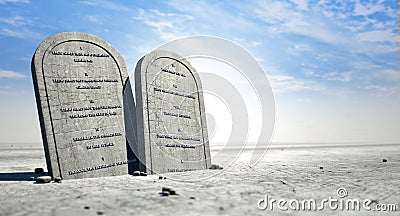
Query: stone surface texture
(172, 130)
(79, 80)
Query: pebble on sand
(43, 179)
(39, 170)
(215, 166)
(164, 194)
(165, 189)
(321, 167)
(384, 160)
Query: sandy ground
(284, 173)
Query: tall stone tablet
(172, 130)
(79, 80)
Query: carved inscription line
(99, 146)
(79, 54)
(88, 169)
(177, 115)
(166, 136)
(93, 115)
(181, 170)
(83, 80)
(173, 72)
(180, 146)
(90, 108)
(173, 93)
(83, 60)
(96, 137)
(88, 87)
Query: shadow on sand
(19, 176)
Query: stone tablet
(79, 80)
(172, 130)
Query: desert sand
(285, 172)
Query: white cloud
(390, 74)
(382, 91)
(377, 36)
(16, 21)
(335, 76)
(296, 49)
(285, 19)
(13, 1)
(301, 4)
(255, 43)
(331, 76)
(94, 19)
(168, 25)
(284, 83)
(10, 74)
(304, 99)
(105, 4)
(21, 33)
(211, 18)
(369, 8)
(276, 12)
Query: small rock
(86, 207)
(165, 177)
(164, 194)
(43, 179)
(172, 192)
(192, 197)
(39, 170)
(165, 189)
(57, 179)
(143, 174)
(136, 173)
(283, 182)
(214, 166)
(100, 212)
(32, 178)
(321, 167)
(384, 160)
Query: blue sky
(333, 65)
